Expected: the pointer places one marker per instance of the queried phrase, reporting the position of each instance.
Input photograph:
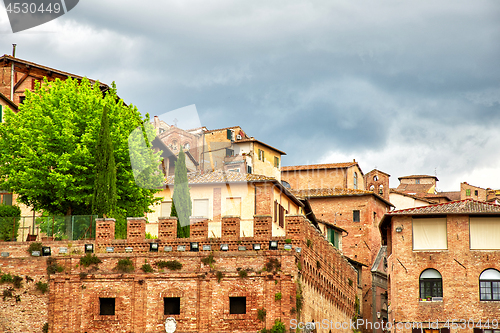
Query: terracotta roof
(12, 105)
(413, 196)
(29, 63)
(418, 177)
(219, 176)
(334, 226)
(414, 188)
(376, 170)
(222, 129)
(453, 196)
(262, 143)
(467, 206)
(319, 166)
(334, 192)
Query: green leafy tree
(104, 199)
(9, 222)
(181, 199)
(48, 150)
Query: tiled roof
(414, 188)
(319, 166)
(222, 129)
(413, 196)
(327, 192)
(467, 206)
(453, 195)
(262, 143)
(29, 63)
(334, 192)
(376, 170)
(219, 176)
(418, 177)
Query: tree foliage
(9, 222)
(181, 199)
(48, 150)
(104, 199)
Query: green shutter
(229, 134)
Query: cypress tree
(104, 198)
(181, 199)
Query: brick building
(443, 264)
(358, 212)
(333, 175)
(296, 278)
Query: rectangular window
(476, 193)
(467, 192)
(249, 169)
(107, 306)
(276, 162)
(333, 237)
(171, 305)
(166, 208)
(233, 206)
(417, 181)
(6, 198)
(484, 233)
(229, 134)
(429, 234)
(229, 152)
(431, 288)
(237, 305)
(21, 99)
(200, 207)
(355, 216)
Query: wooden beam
(21, 81)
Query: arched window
(381, 189)
(489, 285)
(431, 284)
(372, 188)
(355, 180)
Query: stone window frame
(97, 306)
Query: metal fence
(70, 227)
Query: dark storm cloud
(409, 87)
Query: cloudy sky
(408, 87)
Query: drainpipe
(12, 73)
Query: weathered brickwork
(136, 229)
(459, 266)
(262, 226)
(167, 228)
(231, 227)
(105, 230)
(198, 228)
(325, 278)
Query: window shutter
(249, 169)
(229, 134)
(275, 210)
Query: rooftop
(418, 177)
(343, 165)
(334, 192)
(467, 206)
(220, 176)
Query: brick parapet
(136, 229)
(262, 226)
(198, 228)
(167, 228)
(105, 230)
(231, 227)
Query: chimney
(14, 50)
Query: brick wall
(262, 226)
(459, 267)
(136, 229)
(167, 228)
(231, 227)
(105, 230)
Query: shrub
(261, 314)
(9, 222)
(7, 293)
(208, 260)
(43, 287)
(219, 276)
(89, 259)
(272, 265)
(277, 296)
(53, 267)
(243, 273)
(173, 265)
(83, 275)
(18, 281)
(149, 236)
(308, 243)
(6, 278)
(45, 328)
(288, 241)
(146, 268)
(125, 265)
(278, 327)
(35, 246)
